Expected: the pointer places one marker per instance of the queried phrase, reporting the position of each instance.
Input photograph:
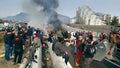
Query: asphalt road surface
(105, 63)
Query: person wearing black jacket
(18, 48)
(66, 57)
(89, 51)
(8, 44)
(29, 34)
(59, 48)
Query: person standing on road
(59, 48)
(12, 49)
(29, 34)
(36, 43)
(101, 37)
(80, 48)
(66, 57)
(8, 44)
(89, 51)
(36, 40)
(18, 47)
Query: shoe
(12, 57)
(19, 64)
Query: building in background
(73, 20)
(119, 19)
(107, 18)
(86, 16)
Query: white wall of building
(72, 21)
(87, 16)
(119, 19)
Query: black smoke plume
(47, 12)
(49, 7)
(48, 4)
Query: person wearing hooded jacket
(18, 42)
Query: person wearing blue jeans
(7, 42)
(7, 52)
(11, 51)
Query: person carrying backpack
(89, 52)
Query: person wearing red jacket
(101, 37)
(80, 49)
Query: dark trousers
(18, 55)
(30, 39)
(7, 52)
(66, 61)
(87, 63)
(11, 51)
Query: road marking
(112, 62)
(2, 55)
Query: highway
(105, 63)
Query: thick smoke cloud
(47, 3)
(42, 12)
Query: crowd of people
(84, 44)
(16, 40)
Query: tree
(114, 21)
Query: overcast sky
(66, 7)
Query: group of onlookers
(83, 42)
(15, 42)
(80, 40)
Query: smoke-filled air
(42, 13)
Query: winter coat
(8, 38)
(59, 49)
(18, 42)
